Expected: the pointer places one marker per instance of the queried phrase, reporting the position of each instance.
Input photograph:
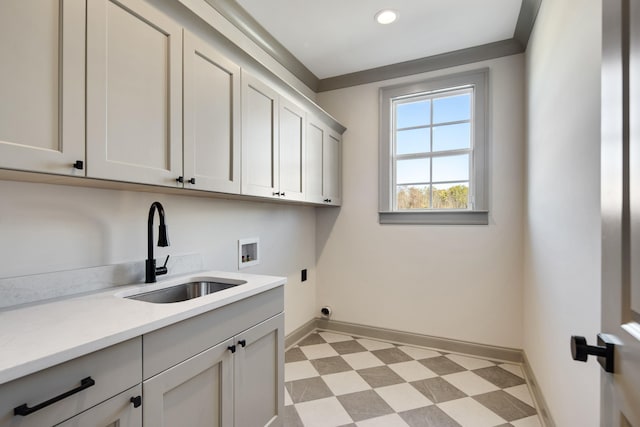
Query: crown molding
(240, 18)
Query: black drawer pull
(24, 409)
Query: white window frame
(478, 212)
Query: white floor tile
(469, 362)
(299, 370)
(374, 345)
(318, 351)
(412, 371)
(533, 421)
(392, 420)
(521, 392)
(514, 369)
(345, 382)
(470, 383)
(419, 353)
(333, 337)
(470, 413)
(362, 360)
(323, 413)
(403, 397)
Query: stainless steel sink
(184, 291)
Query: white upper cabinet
(134, 93)
(324, 164)
(291, 151)
(211, 118)
(273, 142)
(260, 160)
(42, 79)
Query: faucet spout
(163, 240)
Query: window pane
(451, 168)
(413, 114)
(452, 108)
(413, 141)
(451, 196)
(412, 171)
(412, 196)
(452, 137)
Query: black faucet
(163, 240)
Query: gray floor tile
(364, 405)
(392, 355)
(505, 405)
(441, 365)
(291, 417)
(308, 389)
(294, 355)
(438, 390)
(380, 376)
(312, 339)
(331, 365)
(500, 377)
(428, 416)
(346, 347)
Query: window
(433, 151)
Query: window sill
(435, 218)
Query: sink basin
(184, 291)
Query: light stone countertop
(39, 336)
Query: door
(211, 118)
(196, 393)
(315, 138)
(134, 93)
(259, 373)
(621, 209)
(332, 168)
(122, 410)
(291, 148)
(42, 46)
(259, 138)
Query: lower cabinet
(238, 382)
(122, 410)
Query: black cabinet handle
(327, 200)
(24, 409)
(276, 193)
(192, 181)
(242, 343)
(79, 164)
(282, 194)
(180, 179)
(232, 348)
(137, 401)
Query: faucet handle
(163, 269)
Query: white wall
(46, 228)
(562, 229)
(457, 282)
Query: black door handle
(24, 409)
(581, 351)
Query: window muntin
(432, 147)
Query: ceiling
(337, 37)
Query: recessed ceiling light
(386, 16)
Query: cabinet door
(292, 150)
(211, 118)
(332, 168)
(315, 140)
(119, 411)
(259, 138)
(42, 46)
(134, 93)
(259, 373)
(196, 393)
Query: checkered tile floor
(337, 380)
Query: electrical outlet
(304, 275)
